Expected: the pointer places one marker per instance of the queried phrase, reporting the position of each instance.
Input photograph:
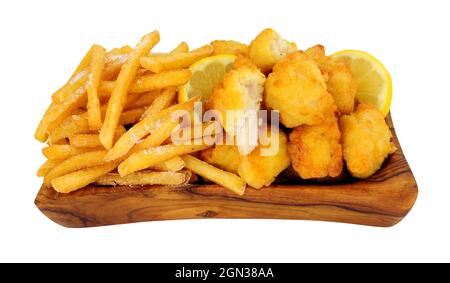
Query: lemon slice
(206, 74)
(373, 80)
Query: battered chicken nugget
(366, 140)
(339, 79)
(225, 157)
(297, 89)
(316, 151)
(268, 48)
(242, 89)
(259, 170)
(229, 47)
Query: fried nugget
(268, 48)
(225, 157)
(229, 47)
(259, 170)
(297, 89)
(366, 140)
(241, 91)
(339, 79)
(316, 151)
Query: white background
(42, 42)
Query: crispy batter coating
(339, 79)
(366, 140)
(229, 47)
(242, 89)
(316, 151)
(268, 48)
(225, 157)
(297, 89)
(258, 170)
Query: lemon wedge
(206, 74)
(372, 78)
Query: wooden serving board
(382, 200)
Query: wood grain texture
(382, 200)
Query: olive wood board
(383, 200)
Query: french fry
(47, 167)
(92, 140)
(157, 137)
(172, 165)
(121, 88)
(142, 100)
(58, 111)
(161, 80)
(216, 175)
(131, 116)
(74, 163)
(229, 47)
(61, 152)
(112, 54)
(84, 63)
(114, 61)
(155, 155)
(60, 91)
(81, 178)
(78, 124)
(118, 54)
(147, 177)
(144, 127)
(161, 102)
(96, 66)
(208, 129)
(173, 61)
(85, 140)
(72, 125)
(182, 47)
(151, 82)
(76, 82)
(77, 79)
(41, 133)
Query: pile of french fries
(111, 124)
